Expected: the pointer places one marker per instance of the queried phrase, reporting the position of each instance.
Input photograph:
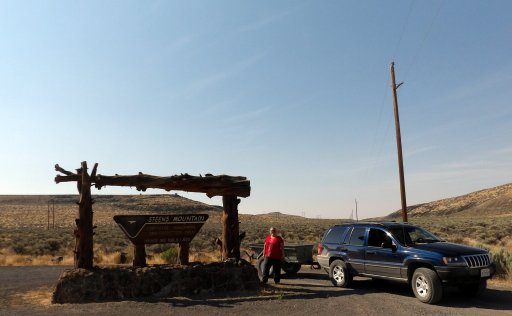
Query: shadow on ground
(491, 299)
(301, 287)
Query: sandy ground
(27, 291)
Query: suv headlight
(454, 261)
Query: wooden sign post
(229, 187)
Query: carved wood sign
(160, 229)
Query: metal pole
(399, 145)
(357, 216)
(48, 228)
(53, 213)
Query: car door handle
(370, 252)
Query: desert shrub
(503, 260)
(170, 255)
(204, 257)
(98, 257)
(470, 230)
(456, 239)
(158, 248)
(482, 246)
(490, 240)
(123, 257)
(481, 235)
(111, 237)
(18, 247)
(54, 245)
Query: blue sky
(294, 95)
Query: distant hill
(495, 201)
(278, 215)
(140, 203)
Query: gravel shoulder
(27, 291)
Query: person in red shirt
(274, 255)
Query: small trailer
(294, 257)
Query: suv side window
(357, 237)
(347, 235)
(377, 237)
(335, 235)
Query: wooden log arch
(229, 187)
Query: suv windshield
(410, 235)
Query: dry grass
(501, 282)
(100, 258)
(41, 296)
(25, 239)
(26, 260)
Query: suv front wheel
(427, 286)
(339, 275)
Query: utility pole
(52, 208)
(399, 144)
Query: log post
(183, 253)
(139, 255)
(84, 249)
(230, 228)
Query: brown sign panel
(160, 229)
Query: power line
(403, 29)
(423, 41)
(385, 95)
(372, 148)
(416, 56)
(378, 158)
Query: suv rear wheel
(339, 275)
(427, 286)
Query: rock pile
(122, 283)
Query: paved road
(26, 291)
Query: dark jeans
(271, 262)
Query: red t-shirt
(274, 247)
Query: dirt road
(27, 290)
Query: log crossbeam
(221, 185)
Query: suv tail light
(320, 248)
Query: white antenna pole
(357, 217)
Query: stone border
(162, 281)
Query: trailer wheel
(291, 267)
